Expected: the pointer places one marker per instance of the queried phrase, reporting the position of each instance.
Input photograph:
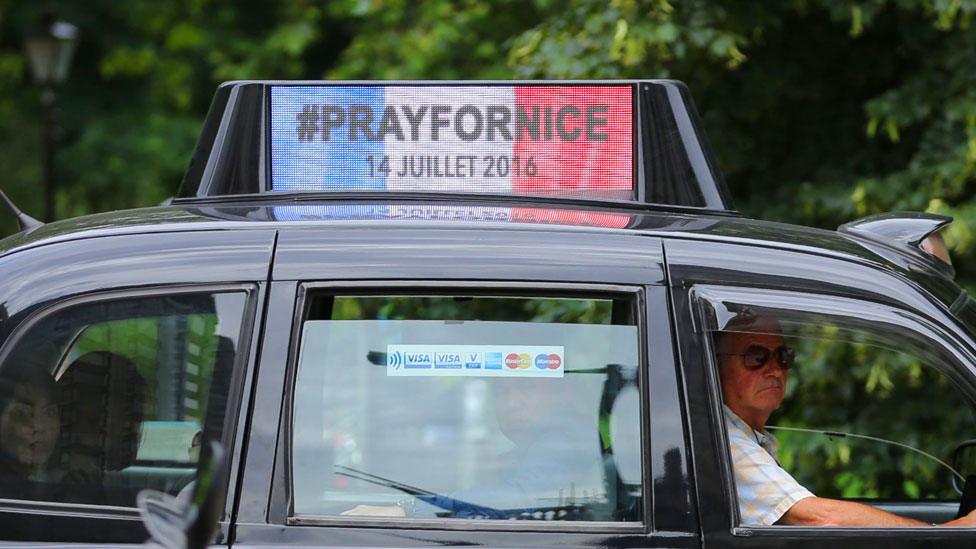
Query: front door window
(837, 399)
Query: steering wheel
(967, 503)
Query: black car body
(673, 262)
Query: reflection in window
(101, 400)
(535, 433)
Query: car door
(114, 369)
(497, 392)
(880, 392)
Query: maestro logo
(548, 362)
(516, 361)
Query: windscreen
(551, 140)
(441, 407)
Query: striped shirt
(765, 490)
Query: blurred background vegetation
(819, 111)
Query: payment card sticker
(475, 360)
(566, 140)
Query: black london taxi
(483, 314)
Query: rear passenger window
(101, 400)
(468, 407)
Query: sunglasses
(756, 356)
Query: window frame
(953, 348)
(234, 394)
(282, 484)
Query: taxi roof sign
(535, 140)
(636, 142)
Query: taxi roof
(529, 215)
(499, 213)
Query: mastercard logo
(518, 361)
(548, 362)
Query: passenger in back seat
(102, 402)
(29, 430)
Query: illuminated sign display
(568, 140)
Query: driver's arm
(831, 512)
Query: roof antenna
(25, 221)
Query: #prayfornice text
(467, 123)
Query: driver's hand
(375, 511)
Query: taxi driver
(754, 367)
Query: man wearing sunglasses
(754, 364)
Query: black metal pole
(52, 133)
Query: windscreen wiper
(458, 508)
(463, 509)
(842, 434)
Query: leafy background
(820, 112)
(879, 384)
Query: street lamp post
(50, 48)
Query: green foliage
(878, 387)
(141, 81)
(436, 39)
(820, 112)
(571, 311)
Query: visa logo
(447, 360)
(417, 360)
(472, 360)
